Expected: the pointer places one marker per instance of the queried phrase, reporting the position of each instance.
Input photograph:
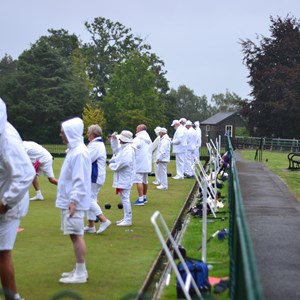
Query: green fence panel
(244, 277)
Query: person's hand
(3, 208)
(114, 135)
(72, 208)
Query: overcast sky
(197, 40)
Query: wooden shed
(219, 124)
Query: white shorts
(74, 224)
(47, 169)
(141, 178)
(8, 233)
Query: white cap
(164, 130)
(156, 130)
(175, 122)
(182, 120)
(125, 136)
(188, 123)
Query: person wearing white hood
(74, 195)
(143, 144)
(199, 140)
(16, 176)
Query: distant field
(278, 163)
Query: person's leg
(180, 158)
(35, 184)
(79, 247)
(74, 227)
(53, 180)
(104, 222)
(140, 189)
(8, 234)
(164, 176)
(7, 274)
(125, 198)
(145, 187)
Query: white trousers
(95, 209)
(180, 159)
(190, 156)
(162, 174)
(125, 199)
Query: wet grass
(118, 260)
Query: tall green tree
(111, 42)
(51, 85)
(132, 96)
(227, 102)
(8, 69)
(185, 103)
(274, 72)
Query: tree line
(115, 80)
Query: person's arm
(18, 167)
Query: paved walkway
(273, 216)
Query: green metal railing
(244, 277)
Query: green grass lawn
(117, 260)
(278, 163)
(217, 250)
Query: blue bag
(199, 272)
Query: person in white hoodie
(163, 158)
(199, 140)
(143, 144)
(16, 176)
(74, 195)
(123, 165)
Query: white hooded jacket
(74, 184)
(143, 144)
(179, 141)
(16, 170)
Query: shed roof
(218, 117)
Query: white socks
(80, 269)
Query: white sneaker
(37, 197)
(69, 274)
(155, 182)
(119, 221)
(124, 223)
(160, 187)
(178, 177)
(103, 226)
(74, 279)
(88, 229)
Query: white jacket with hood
(74, 184)
(143, 144)
(179, 141)
(16, 170)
